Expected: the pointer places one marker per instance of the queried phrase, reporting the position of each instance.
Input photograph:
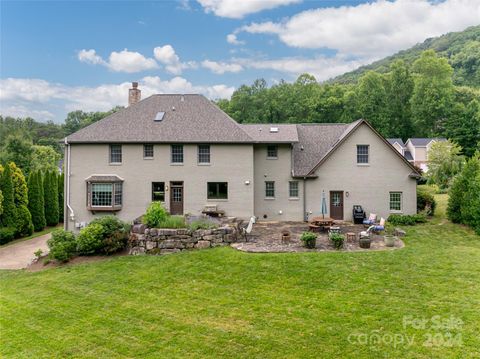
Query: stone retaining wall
(145, 240)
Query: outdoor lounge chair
(371, 219)
(379, 227)
(245, 231)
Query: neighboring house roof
(423, 142)
(314, 142)
(265, 133)
(186, 119)
(408, 156)
(396, 140)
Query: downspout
(67, 187)
(305, 216)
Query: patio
(266, 237)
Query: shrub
(407, 220)
(62, 245)
(7, 234)
(425, 202)
(337, 239)
(115, 233)
(309, 239)
(173, 222)
(155, 215)
(201, 224)
(90, 239)
(24, 226)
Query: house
(415, 150)
(184, 151)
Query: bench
(212, 210)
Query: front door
(176, 197)
(336, 204)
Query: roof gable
(187, 118)
(349, 130)
(424, 142)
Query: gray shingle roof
(422, 142)
(315, 141)
(408, 156)
(398, 140)
(194, 119)
(104, 178)
(261, 132)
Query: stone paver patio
(267, 237)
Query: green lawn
(225, 303)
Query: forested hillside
(461, 49)
(409, 100)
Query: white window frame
(297, 189)
(110, 153)
(275, 149)
(396, 201)
(267, 189)
(145, 157)
(360, 155)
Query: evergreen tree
(50, 196)
(35, 203)
(24, 224)
(61, 180)
(9, 215)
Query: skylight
(159, 116)
(273, 129)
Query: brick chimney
(134, 94)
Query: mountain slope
(462, 49)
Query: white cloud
(237, 9)
(123, 61)
(40, 99)
(232, 39)
(130, 61)
(90, 57)
(371, 30)
(167, 56)
(221, 67)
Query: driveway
(20, 255)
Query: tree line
(418, 100)
(28, 205)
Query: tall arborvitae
(9, 215)
(61, 180)
(23, 226)
(35, 201)
(50, 196)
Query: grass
(225, 303)
(34, 235)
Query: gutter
(67, 186)
(305, 217)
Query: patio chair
(245, 231)
(377, 228)
(371, 219)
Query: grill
(358, 214)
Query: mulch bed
(266, 237)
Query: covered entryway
(336, 204)
(176, 198)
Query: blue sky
(65, 55)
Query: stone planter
(389, 240)
(365, 242)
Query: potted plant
(337, 239)
(365, 241)
(309, 239)
(389, 238)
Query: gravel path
(20, 255)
